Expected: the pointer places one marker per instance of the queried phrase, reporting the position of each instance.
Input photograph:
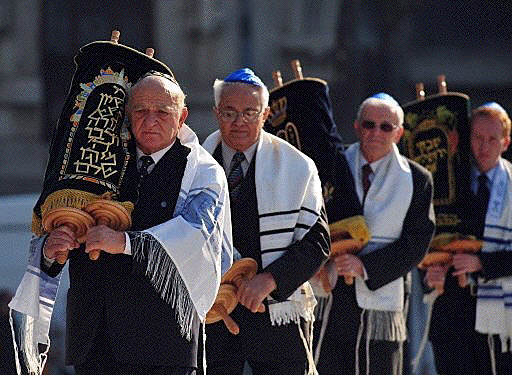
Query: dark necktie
(482, 201)
(236, 175)
(367, 171)
(145, 162)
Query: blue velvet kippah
(387, 97)
(494, 105)
(245, 75)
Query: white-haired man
(138, 308)
(366, 327)
(278, 220)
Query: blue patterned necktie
(236, 175)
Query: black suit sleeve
(55, 267)
(495, 265)
(301, 260)
(398, 258)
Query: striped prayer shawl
(494, 297)
(185, 254)
(31, 312)
(289, 198)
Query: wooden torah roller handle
(224, 305)
(109, 213)
(348, 236)
(242, 269)
(436, 258)
(456, 243)
(77, 220)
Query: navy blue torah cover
(437, 137)
(88, 154)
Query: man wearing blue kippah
(278, 219)
(471, 327)
(366, 327)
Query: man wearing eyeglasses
(366, 327)
(279, 220)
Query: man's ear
(266, 113)
(399, 133)
(506, 144)
(184, 114)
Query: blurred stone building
(358, 47)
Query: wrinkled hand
(436, 276)
(466, 263)
(59, 242)
(103, 238)
(349, 265)
(251, 293)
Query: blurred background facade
(359, 47)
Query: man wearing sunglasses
(366, 326)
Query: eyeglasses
(385, 126)
(248, 115)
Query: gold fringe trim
(70, 198)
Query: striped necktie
(236, 175)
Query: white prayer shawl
(494, 297)
(385, 208)
(34, 301)
(195, 240)
(289, 197)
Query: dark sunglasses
(385, 127)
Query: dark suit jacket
(388, 263)
(459, 304)
(258, 339)
(113, 295)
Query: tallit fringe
(290, 312)
(165, 278)
(386, 325)
(322, 311)
(26, 348)
(69, 198)
(429, 300)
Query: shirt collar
(156, 155)
(490, 173)
(228, 153)
(376, 164)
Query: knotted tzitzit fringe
(490, 343)
(429, 300)
(308, 347)
(165, 278)
(358, 341)
(325, 320)
(33, 360)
